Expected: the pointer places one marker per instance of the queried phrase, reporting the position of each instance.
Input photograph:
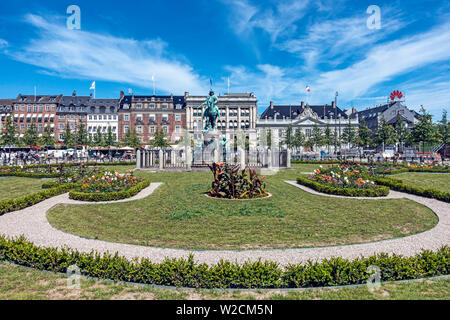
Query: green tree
(47, 138)
(402, 133)
(67, 136)
(423, 130)
(364, 135)
(299, 138)
(349, 135)
(98, 137)
(385, 133)
(159, 140)
(30, 136)
(9, 133)
(328, 137)
(289, 138)
(444, 128)
(317, 137)
(269, 137)
(82, 135)
(130, 139)
(110, 139)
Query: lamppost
(335, 122)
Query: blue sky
(272, 48)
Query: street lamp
(335, 122)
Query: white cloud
(87, 55)
(3, 43)
(277, 21)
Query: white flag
(92, 86)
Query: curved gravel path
(32, 223)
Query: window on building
(47, 107)
(114, 117)
(103, 129)
(177, 129)
(178, 117)
(126, 129)
(139, 117)
(152, 129)
(60, 136)
(35, 108)
(114, 129)
(61, 116)
(53, 107)
(139, 106)
(139, 129)
(61, 126)
(164, 106)
(165, 117)
(308, 132)
(152, 117)
(126, 117)
(29, 108)
(22, 126)
(41, 108)
(22, 107)
(152, 106)
(165, 129)
(89, 129)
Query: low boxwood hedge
(31, 199)
(379, 191)
(109, 196)
(186, 272)
(71, 164)
(398, 185)
(29, 175)
(403, 170)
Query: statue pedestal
(212, 146)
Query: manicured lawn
(13, 187)
(179, 215)
(19, 283)
(425, 180)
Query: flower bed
(346, 180)
(232, 183)
(402, 168)
(186, 272)
(108, 186)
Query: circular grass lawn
(178, 215)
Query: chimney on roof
(271, 104)
(74, 93)
(171, 96)
(186, 94)
(302, 104)
(333, 104)
(122, 94)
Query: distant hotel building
(237, 111)
(146, 114)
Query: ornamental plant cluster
(225, 274)
(400, 168)
(344, 176)
(109, 182)
(231, 182)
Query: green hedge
(29, 175)
(186, 272)
(71, 164)
(31, 199)
(379, 191)
(398, 185)
(403, 170)
(109, 196)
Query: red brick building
(146, 114)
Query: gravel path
(32, 223)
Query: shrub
(398, 185)
(109, 196)
(31, 199)
(189, 273)
(378, 191)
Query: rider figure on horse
(211, 112)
